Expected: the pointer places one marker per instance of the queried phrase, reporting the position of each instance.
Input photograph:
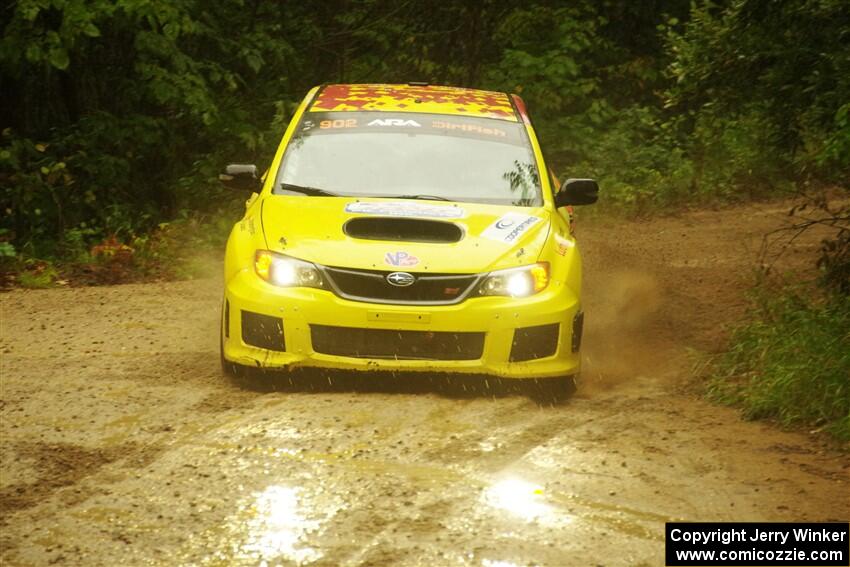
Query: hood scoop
(403, 229)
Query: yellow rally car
(406, 228)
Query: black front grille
(399, 345)
(372, 285)
(263, 331)
(534, 342)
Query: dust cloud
(622, 341)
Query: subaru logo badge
(401, 279)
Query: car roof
(414, 97)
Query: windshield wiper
(423, 197)
(312, 191)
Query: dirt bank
(122, 443)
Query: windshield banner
(412, 123)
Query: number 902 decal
(349, 123)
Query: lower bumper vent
(263, 331)
(397, 345)
(534, 342)
(578, 328)
(226, 319)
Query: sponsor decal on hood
(400, 258)
(509, 227)
(408, 209)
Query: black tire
(552, 391)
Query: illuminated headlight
(517, 282)
(284, 271)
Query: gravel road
(123, 444)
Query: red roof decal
(407, 98)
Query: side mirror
(240, 176)
(577, 192)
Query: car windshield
(410, 155)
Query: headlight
(284, 271)
(517, 282)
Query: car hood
(386, 234)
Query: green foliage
(779, 71)
(119, 115)
(734, 156)
(550, 65)
(652, 174)
(835, 148)
(119, 109)
(835, 259)
(791, 362)
(37, 275)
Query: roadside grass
(38, 275)
(188, 247)
(789, 361)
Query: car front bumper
(271, 327)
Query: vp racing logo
(400, 258)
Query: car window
(405, 154)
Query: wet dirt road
(122, 443)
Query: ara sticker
(509, 227)
(406, 209)
(400, 259)
(563, 245)
(394, 122)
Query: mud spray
(622, 340)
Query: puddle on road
(281, 523)
(489, 446)
(283, 501)
(299, 521)
(492, 563)
(280, 526)
(524, 500)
